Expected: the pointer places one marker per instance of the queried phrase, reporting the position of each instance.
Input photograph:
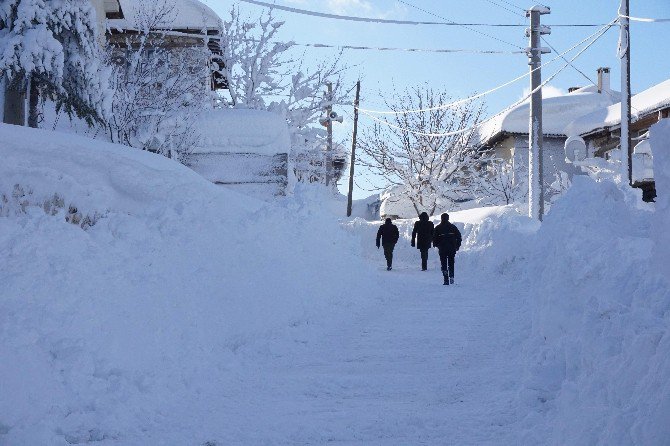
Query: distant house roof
(642, 104)
(557, 112)
(184, 15)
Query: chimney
(604, 80)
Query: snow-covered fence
(251, 173)
(246, 150)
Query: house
(601, 130)
(244, 150)
(507, 133)
(182, 25)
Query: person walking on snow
(447, 239)
(389, 235)
(422, 238)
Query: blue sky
(382, 73)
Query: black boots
(447, 280)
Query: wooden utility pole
(352, 162)
(329, 149)
(624, 54)
(535, 136)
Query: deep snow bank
(599, 358)
(130, 330)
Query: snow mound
(660, 144)
(599, 357)
(137, 329)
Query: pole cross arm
(541, 50)
(542, 29)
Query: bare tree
(427, 155)
(265, 73)
(501, 182)
(159, 91)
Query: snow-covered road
(428, 364)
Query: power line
(513, 5)
(465, 130)
(477, 96)
(387, 21)
(415, 50)
(643, 19)
(464, 26)
(609, 93)
(503, 7)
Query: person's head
(423, 216)
(445, 217)
(388, 221)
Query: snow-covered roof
(649, 101)
(186, 14)
(243, 131)
(557, 112)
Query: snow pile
(660, 144)
(599, 357)
(137, 328)
(243, 131)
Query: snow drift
(600, 353)
(127, 330)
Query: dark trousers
(424, 258)
(388, 253)
(447, 261)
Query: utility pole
(353, 151)
(329, 149)
(535, 136)
(624, 54)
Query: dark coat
(388, 234)
(447, 238)
(422, 234)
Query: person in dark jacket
(447, 239)
(388, 235)
(422, 238)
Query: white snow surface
(648, 101)
(241, 130)
(557, 113)
(190, 315)
(184, 14)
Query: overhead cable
(463, 26)
(522, 100)
(479, 95)
(609, 93)
(409, 50)
(504, 7)
(643, 19)
(393, 22)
